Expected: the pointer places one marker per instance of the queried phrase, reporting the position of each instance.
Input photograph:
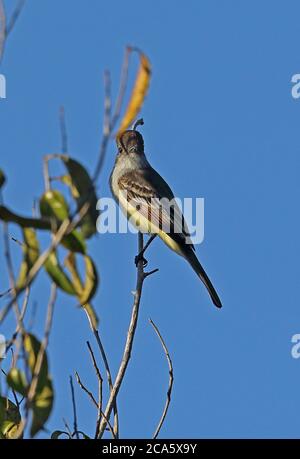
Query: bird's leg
(140, 256)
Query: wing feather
(152, 198)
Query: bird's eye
(120, 149)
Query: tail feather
(197, 267)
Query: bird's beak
(133, 149)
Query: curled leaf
(10, 419)
(138, 94)
(16, 380)
(58, 433)
(58, 275)
(85, 291)
(83, 190)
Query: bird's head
(130, 141)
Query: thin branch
(8, 257)
(63, 130)
(74, 409)
(123, 86)
(47, 181)
(108, 373)
(84, 388)
(130, 337)
(106, 131)
(22, 314)
(14, 17)
(44, 345)
(110, 121)
(89, 393)
(2, 28)
(6, 28)
(40, 356)
(100, 382)
(5, 293)
(171, 380)
(67, 427)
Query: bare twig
(171, 380)
(20, 243)
(5, 293)
(84, 388)
(44, 345)
(74, 409)
(22, 314)
(130, 337)
(12, 281)
(47, 181)
(106, 131)
(108, 373)
(2, 28)
(63, 130)
(67, 427)
(91, 396)
(123, 85)
(6, 28)
(14, 17)
(110, 121)
(100, 382)
(13, 391)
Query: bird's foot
(140, 257)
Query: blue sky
(220, 123)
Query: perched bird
(144, 196)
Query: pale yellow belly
(142, 224)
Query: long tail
(195, 263)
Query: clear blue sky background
(220, 122)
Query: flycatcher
(149, 203)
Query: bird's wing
(151, 196)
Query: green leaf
(10, 419)
(58, 275)
(2, 178)
(57, 433)
(25, 222)
(87, 291)
(84, 292)
(42, 407)
(32, 347)
(83, 190)
(91, 281)
(54, 206)
(74, 242)
(31, 253)
(16, 380)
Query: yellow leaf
(138, 94)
